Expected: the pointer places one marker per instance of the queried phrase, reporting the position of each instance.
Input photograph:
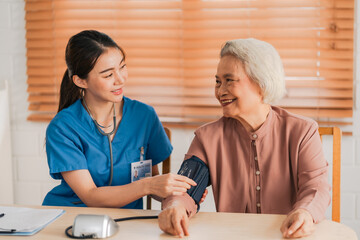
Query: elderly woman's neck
(253, 120)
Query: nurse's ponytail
(81, 54)
(69, 92)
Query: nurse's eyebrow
(122, 60)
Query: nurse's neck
(102, 111)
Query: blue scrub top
(73, 142)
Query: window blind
(173, 48)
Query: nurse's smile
(117, 91)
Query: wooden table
(203, 226)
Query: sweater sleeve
(313, 188)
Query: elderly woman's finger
(185, 225)
(305, 230)
(294, 226)
(204, 196)
(176, 223)
(285, 226)
(165, 223)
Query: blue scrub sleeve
(63, 152)
(159, 146)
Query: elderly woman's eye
(229, 80)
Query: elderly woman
(261, 158)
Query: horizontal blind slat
(173, 49)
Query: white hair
(262, 65)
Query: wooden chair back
(336, 168)
(165, 168)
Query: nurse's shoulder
(139, 109)
(68, 119)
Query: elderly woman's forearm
(314, 196)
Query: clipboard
(26, 221)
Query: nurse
(99, 135)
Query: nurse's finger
(185, 179)
(181, 184)
(178, 191)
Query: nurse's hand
(169, 184)
(174, 220)
(298, 223)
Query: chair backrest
(165, 168)
(336, 167)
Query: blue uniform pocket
(134, 155)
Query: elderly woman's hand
(298, 223)
(174, 220)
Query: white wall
(6, 177)
(31, 176)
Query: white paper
(27, 219)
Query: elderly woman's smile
(225, 102)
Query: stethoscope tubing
(108, 137)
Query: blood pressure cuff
(198, 171)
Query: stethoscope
(98, 126)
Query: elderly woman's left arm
(313, 189)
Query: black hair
(81, 54)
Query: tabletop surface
(204, 225)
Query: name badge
(140, 170)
